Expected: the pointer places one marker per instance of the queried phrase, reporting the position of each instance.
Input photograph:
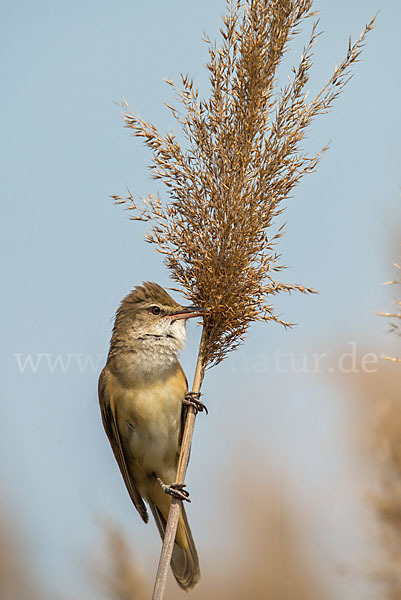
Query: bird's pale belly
(155, 432)
(153, 424)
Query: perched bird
(143, 393)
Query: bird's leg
(192, 399)
(174, 489)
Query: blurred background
(295, 473)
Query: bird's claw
(192, 399)
(176, 490)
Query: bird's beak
(188, 312)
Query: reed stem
(175, 507)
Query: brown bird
(143, 397)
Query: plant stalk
(175, 507)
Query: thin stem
(175, 507)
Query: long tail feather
(184, 561)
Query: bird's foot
(192, 399)
(174, 489)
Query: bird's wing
(107, 407)
(184, 412)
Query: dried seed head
(241, 160)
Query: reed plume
(387, 503)
(386, 436)
(269, 558)
(380, 417)
(395, 316)
(242, 158)
(18, 579)
(121, 579)
(275, 565)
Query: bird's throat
(147, 358)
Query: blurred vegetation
(379, 418)
(17, 581)
(269, 559)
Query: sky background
(70, 255)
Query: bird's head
(150, 317)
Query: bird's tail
(184, 561)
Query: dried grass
(17, 579)
(387, 501)
(379, 413)
(267, 560)
(270, 558)
(243, 157)
(394, 317)
(121, 579)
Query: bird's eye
(155, 310)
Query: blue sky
(70, 255)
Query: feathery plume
(242, 159)
(226, 185)
(394, 317)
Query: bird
(143, 397)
